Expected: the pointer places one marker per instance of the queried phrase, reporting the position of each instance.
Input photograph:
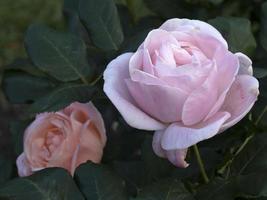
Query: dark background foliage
(87, 34)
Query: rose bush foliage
(176, 73)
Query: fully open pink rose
(64, 139)
(184, 83)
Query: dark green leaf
(237, 32)
(25, 65)
(49, 184)
(63, 96)
(170, 8)
(137, 9)
(71, 6)
(217, 189)
(253, 158)
(164, 167)
(61, 55)
(132, 43)
(101, 19)
(253, 185)
(133, 172)
(17, 130)
(21, 88)
(5, 169)
(165, 190)
(259, 72)
(263, 30)
(98, 182)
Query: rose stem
(200, 164)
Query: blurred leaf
(248, 186)
(253, 185)
(164, 167)
(52, 184)
(61, 55)
(217, 189)
(131, 44)
(253, 158)
(237, 32)
(21, 88)
(165, 190)
(5, 169)
(71, 6)
(63, 96)
(25, 65)
(71, 9)
(98, 182)
(259, 72)
(138, 9)
(263, 30)
(170, 8)
(17, 129)
(261, 104)
(102, 21)
(133, 172)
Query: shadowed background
(15, 17)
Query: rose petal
(156, 38)
(97, 120)
(186, 77)
(187, 25)
(200, 101)
(23, 166)
(245, 64)
(90, 146)
(156, 144)
(240, 99)
(178, 136)
(176, 157)
(161, 102)
(227, 65)
(141, 60)
(115, 88)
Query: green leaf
(98, 182)
(61, 55)
(17, 131)
(102, 21)
(253, 185)
(164, 167)
(259, 72)
(48, 184)
(132, 43)
(138, 9)
(71, 6)
(253, 158)
(170, 8)
(217, 189)
(63, 96)
(21, 87)
(5, 169)
(25, 65)
(133, 172)
(263, 30)
(165, 190)
(237, 32)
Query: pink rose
(184, 84)
(64, 139)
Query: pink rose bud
(66, 139)
(184, 84)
